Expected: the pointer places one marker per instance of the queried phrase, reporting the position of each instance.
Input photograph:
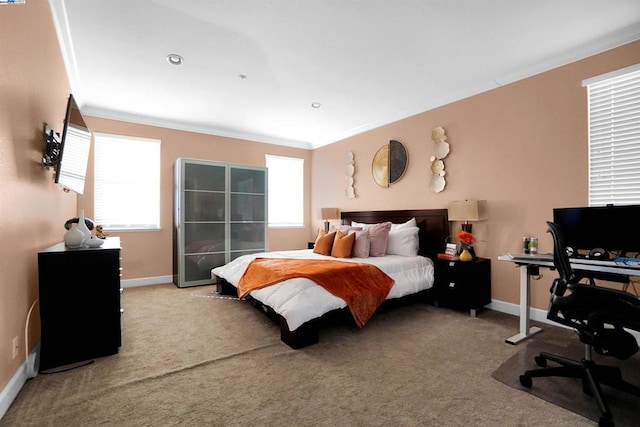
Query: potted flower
(466, 243)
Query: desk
(527, 263)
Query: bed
(301, 306)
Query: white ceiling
(368, 63)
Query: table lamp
(329, 213)
(467, 210)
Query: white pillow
(403, 241)
(410, 223)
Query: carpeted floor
(189, 358)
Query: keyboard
(631, 262)
(617, 262)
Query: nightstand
(463, 285)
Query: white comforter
(300, 300)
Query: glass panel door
(204, 177)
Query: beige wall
(149, 254)
(33, 90)
(522, 147)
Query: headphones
(598, 253)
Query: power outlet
(16, 347)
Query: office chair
(598, 315)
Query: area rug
(567, 392)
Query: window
(614, 137)
(127, 182)
(286, 191)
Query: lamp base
(467, 227)
(326, 226)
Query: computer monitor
(616, 229)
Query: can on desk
(533, 245)
(525, 244)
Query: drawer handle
(121, 310)
(452, 284)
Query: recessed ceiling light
(174, 59)
(242, 76)
(316, 105)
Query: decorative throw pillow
(343, 245)
(403, 241)
(324, 243)
(378, 236)
(346, 229)
(361, 245)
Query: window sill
(128, 230)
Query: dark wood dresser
(79, 303)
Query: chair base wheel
(605, 422)
(541, 361)
(526, 381)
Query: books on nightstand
(450, 253)
(448, 257)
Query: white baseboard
(146, 281)
(24, 372)
(536, 314)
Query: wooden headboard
(433, 225)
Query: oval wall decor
(351, 169)
(389, 163)
(441, 149)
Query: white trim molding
(146, 281)
(536, 314)
(27, 370)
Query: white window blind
(286, 191)
(127, 182)
(614, 138)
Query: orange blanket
(362, 286)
